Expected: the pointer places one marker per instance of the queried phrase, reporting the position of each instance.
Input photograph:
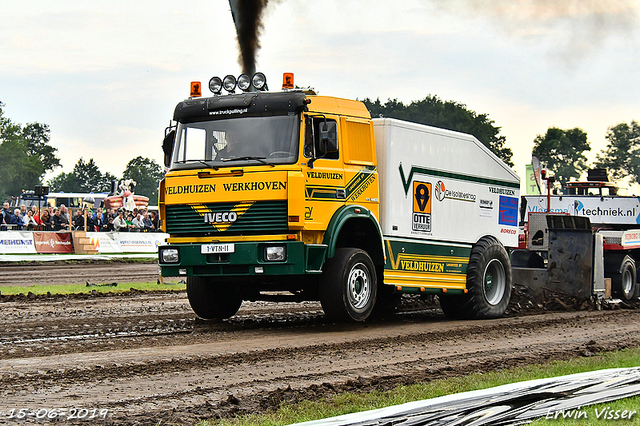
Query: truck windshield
(237, 141)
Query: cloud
(573, 29)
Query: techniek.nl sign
(619, 210)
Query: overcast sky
(106, 75)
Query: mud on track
(147, 359)
(74, 272)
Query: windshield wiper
(204, 163)
(260, 159)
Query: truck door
(324, 176)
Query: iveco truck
(292, 196)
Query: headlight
(275, 254)
(229, 83)
(259, 81)
(215, 85)
(169, 255)
(244, 82)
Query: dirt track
(146, 358)
(51, 273)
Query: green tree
(37, 137)
(88, 176)
(85, 177)
(447, 115)
(147, 174)
(25, 155)
(621, 157)
(563, 152)
(64, 182)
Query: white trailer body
(441, 185)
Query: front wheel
(488, 284)
(212, 300)
(348, 286)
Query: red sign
(53, 242)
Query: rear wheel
(348, 286)
(622, 271)
(211, 299)
(488, 284)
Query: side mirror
(328, 136)
(167, 146)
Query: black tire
(489, 284)
(212, 300)
(622, 271)
(348, 286)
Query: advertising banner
(53, 242)
(599, 210)
(16, 242)
(104, 242)
(140, 242)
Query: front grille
(252, 218)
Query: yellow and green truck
(291, 196)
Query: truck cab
(254, 184)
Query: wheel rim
(494, 282)
(627, 281)
(359, 286)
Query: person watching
(45, 221)
(119, 223)
(59, 222)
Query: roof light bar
(246, 83)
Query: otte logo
(220, 217)
(421, 207)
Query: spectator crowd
(62, 219)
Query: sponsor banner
(15, 242)
(104, 242)
(140, 242)
(602, 210)
(53, 242)
(532, 183)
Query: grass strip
(173, 284)
(354, 402)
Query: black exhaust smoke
(247, 15)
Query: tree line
(26, 155)
(561, 150)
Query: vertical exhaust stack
(247, 16)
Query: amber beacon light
(287, 80)
(196, 89)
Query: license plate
(217, 248)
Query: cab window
(312, 147)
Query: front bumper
(247, 259)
